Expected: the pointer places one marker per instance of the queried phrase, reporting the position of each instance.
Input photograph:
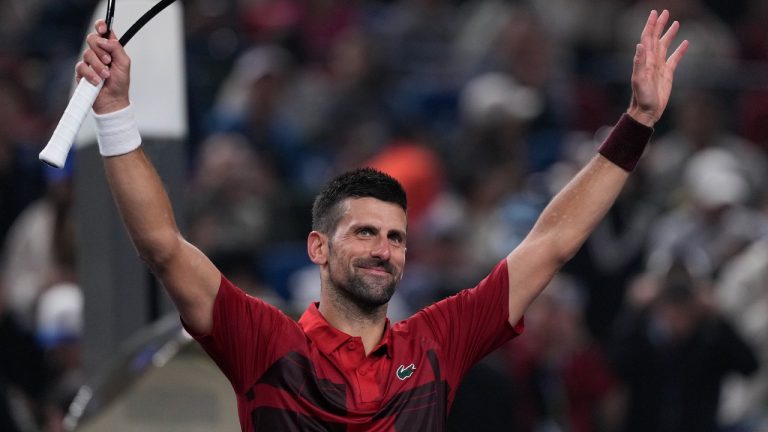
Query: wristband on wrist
(626, 143)
(117, 132)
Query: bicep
(192, 281)
(470, 324)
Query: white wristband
(117, 132)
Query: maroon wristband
(626, 142)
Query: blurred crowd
(483, 109)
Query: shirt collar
(328, 338)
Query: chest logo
(405, 372)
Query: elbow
(559, 248)
(567, 252)
(561, 258)
(158, 249)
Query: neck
(344, 315)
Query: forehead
(372, 211)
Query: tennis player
(343, 366)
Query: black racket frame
(141, 22)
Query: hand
(652, 72)
(106, 59)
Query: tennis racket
(55, 152)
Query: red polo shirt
(308, 375)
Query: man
(342, 366)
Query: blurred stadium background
(483, 109)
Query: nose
(382, 249)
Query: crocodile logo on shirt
(405, 372)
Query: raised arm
(574, 212)
(190, 278)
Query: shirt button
(351, 346)
(363, 372)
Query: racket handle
(55, 152)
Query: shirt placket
(364, 370)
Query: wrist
(111, 106)
(117, 132)
(626, 142)
(642, 117)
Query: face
(679, 320)
(366, 253)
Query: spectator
(22, 375)
(563, 379)
(21, 179)
(40, 247)
(741, 293)
(673, 351)
(252, 103)
(714, 224)
(699, 124)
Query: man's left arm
(574, 212)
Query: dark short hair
(358, 183)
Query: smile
(376, 270)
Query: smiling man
(343, 366)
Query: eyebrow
(372, 227)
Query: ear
(317, 247)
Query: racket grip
(55, 152)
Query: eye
(396, 239)
(365, 232)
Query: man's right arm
(188, 275)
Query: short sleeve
(470, 324)
(247, 336)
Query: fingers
(646, 37)
(90, 58)
(93, 66)
(92, 41)
(95, 59)
(661, 22)
(666, 40)
(95, 44)
(676, 56)
(639, 59)
(101, 27)
(657, 45)
(669, 36)
(82, 70)
(101, 54)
